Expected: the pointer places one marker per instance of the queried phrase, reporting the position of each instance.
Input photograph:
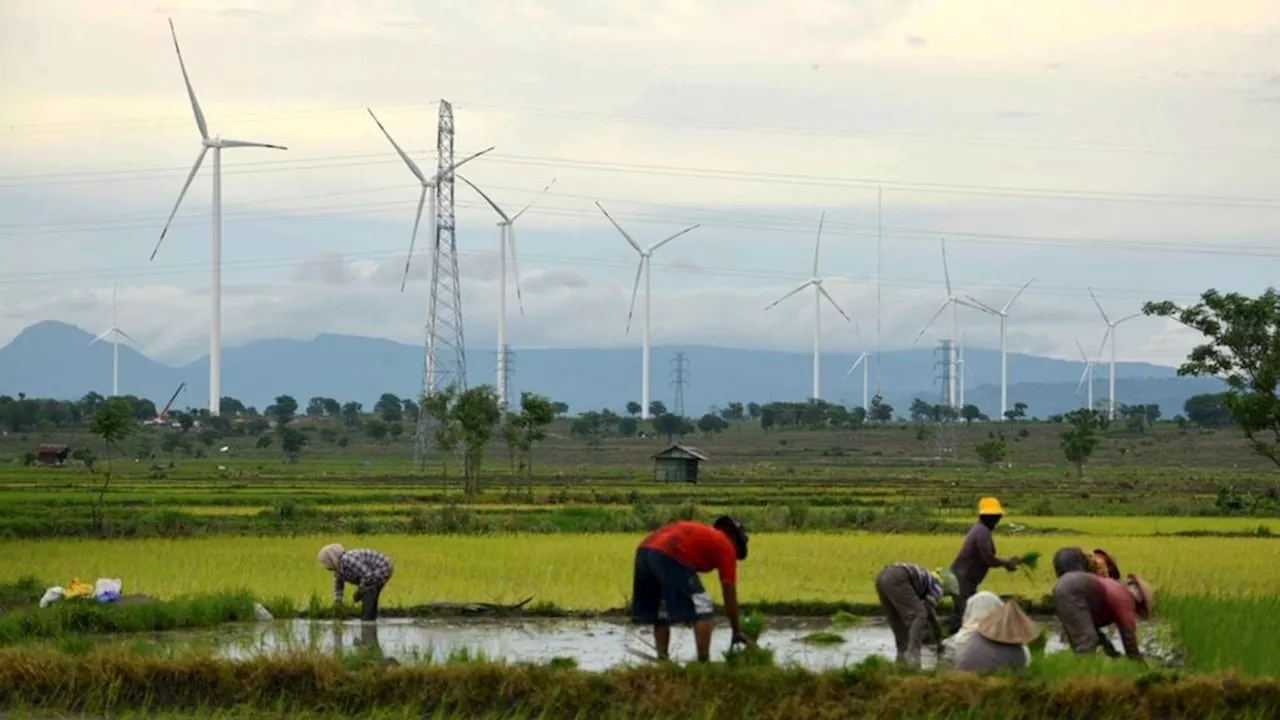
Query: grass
(593, 572)
(1227, 632)
(87, 617)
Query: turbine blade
(935, 317)
(441, 173)
(634, 244)
(1103, 346)
(945, 272)
(1105, 319)
(855, 364)
(818, 242)
(831, 300)
(247, 143)
(103, 336)
(195, 104)
(799, 287)
(413, 167)
(124, 334)
(1083, 375)
(534, 200)
(1127, 318)
(190, 176)
(413, 238)
(1009, 304)
(487, 199)
(976, 304)
(635, 290)
(673, 237)
(515, 266)
(1082, 353)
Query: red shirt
(1111, 602)
(699, 546)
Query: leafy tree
(753, 410)
(609, 420)
(561, 409)
(670, 425)
(657, 408)
(857, 417)
(536, 413)
(1241, 349)
(1081, 437)
(395, 430)
(589, 426)
(1153, 413)
(633, 408)
(207, 436)
(315, 407)
(84, 456)
(112, 423)
(389, 408)
(332, 408)
(711, 423)
(264, 442)
(439, 406)
(477, 412)
(921, 410)
(737, 411)
(228, 405)
(970, 412)
(90, 403)
(256, 425)
(768, 417)
(991, 452)
(144, 448)
(284, 410)
(1208, 410)
(185, 420)
(328, 435)
(628, 427)
(410, 410)
(292, 441)
(881, 411)
(351, 413)
(170, 442)
(1018, 412)
(377, 429)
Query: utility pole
(680, 380)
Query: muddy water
(593, 644)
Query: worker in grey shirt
(977, 555)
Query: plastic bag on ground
(51, 596)
(107, 589)
(77, 588)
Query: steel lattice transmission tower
(679, 381)
(446, 355)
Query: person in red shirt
(1087, 602)
(666, 587)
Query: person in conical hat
(977, 555)
(1000, 641)
(909, 595)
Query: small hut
(678, 462)
(52, 455)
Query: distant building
(52, 455)
(678, 463)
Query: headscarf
(330, 555)
(975, 611)
(933, 592)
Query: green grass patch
(83, 616)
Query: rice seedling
(843, 620)
(822, 637)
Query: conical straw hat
(1009, 625)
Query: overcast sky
(1125, 145)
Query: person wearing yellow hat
(1000, 641)
(977, 555)
(909, 594)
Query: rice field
(593, 572)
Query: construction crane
(163, 416)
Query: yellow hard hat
(989, 506)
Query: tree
(477, 412)
(332, 408)
(90, 403)
(1081, 437)
(351, 413)
(292, 441)
(410, 410)
(207, 436)
(256, 425)
(395, 430)
(881, 411)
(1018, 412)
(84, 456)
(439, 406)
(112, 423)
(284, 410)
(264, 442)
(170, 443)
(921, 410)
(753, 410)
(1242, 350)
(186, 420)
(315, 407)
(711, 423)
(377, 429)
(1208, 410)
(970, 412)
(1153, 413)
(536, 413)
(561, 409)
(670, 425)
(389, 408)
(628, 426)
(633, 408)
(590, 426)
(657, 408)
(228, 405)
(991, 452)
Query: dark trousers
(967, 590)
(369, 603)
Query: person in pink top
(1086, 603)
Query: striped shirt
(366, 569)
(922, 581)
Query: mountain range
(54, 359)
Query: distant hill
(53, 359)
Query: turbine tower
(866, 364)
(1003, 314)
(646, 256)
(819, 292)
(216, 144)
(1090, 368)
(116, 334)
(1111, 332)
(953, 302)
(506, 238)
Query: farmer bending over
(909, 594)
(1086, 603)
(667, 589)
(368, 570)
(978, 555)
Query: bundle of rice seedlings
(1030, 561)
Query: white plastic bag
(261, 613)
(51, 596)
(107, 589)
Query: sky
(1123, 146)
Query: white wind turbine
(116, 334)
(862, 360)
(1090, 369)
(216, 144)
(1003, 314)
(506, 238)
(427, 186)
(1111, 332)
(642, 269)
(953, 302)
(819, 292)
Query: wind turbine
(1003, 314)
(117, 333)
(866, 364)
(646, 256)
(1111, 331)
(506, 237)
(819, 292)
(427, 184)
(953, 302)
(217, 144)
(1090, 368)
